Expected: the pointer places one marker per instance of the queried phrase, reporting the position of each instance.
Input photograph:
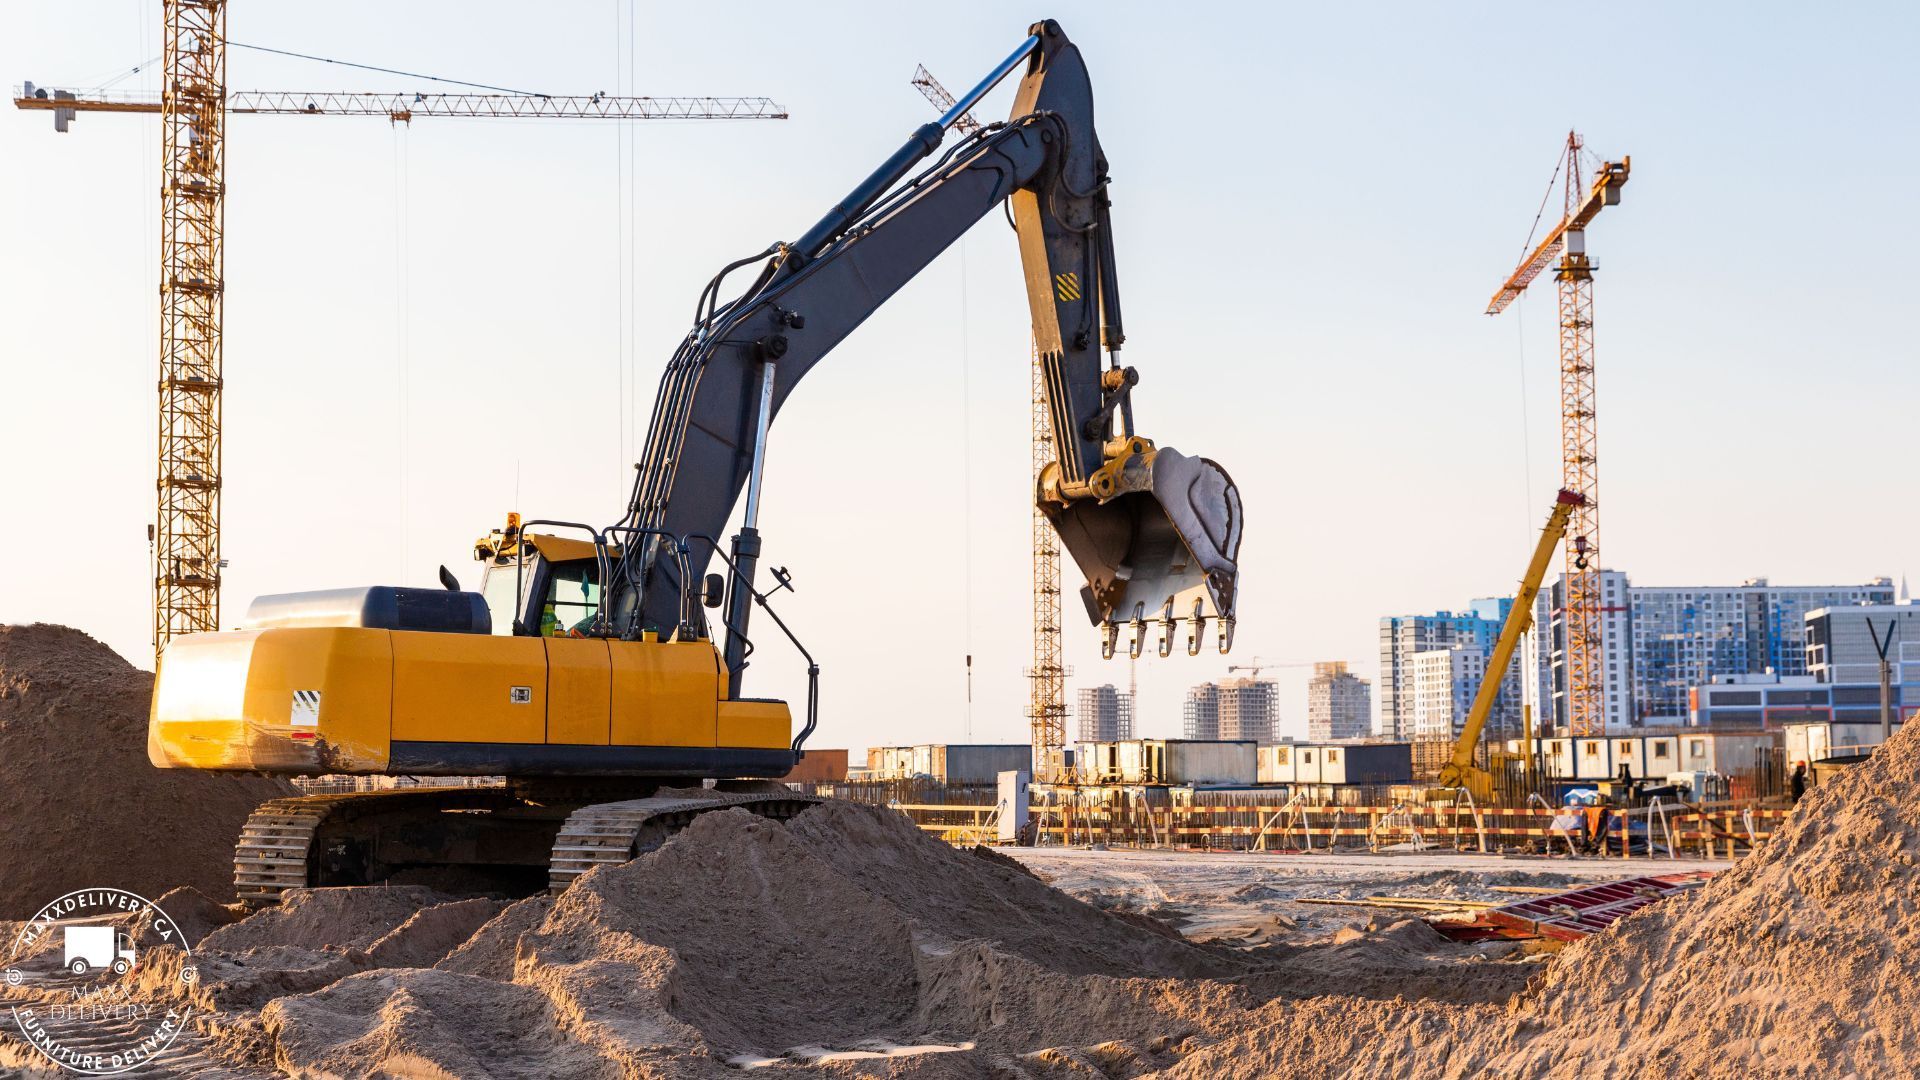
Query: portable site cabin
(1187, 761)
(1725, 752)
(1367, 763)
(976, 763)
(1097, 762)
(1336, 763)
(1307, 761)
(1556, 757)
(1593, 759)
(1630, 752)
(1813, 740)
(1274, 764)
(950, 763)
(1660, 755)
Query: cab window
(503, 606)
(573, 595)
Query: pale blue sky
(1312, 204)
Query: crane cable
(966, 480)
(384, 70)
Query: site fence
(1657, 831)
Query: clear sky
(428, 327)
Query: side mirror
(715, 591)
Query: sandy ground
(850, 944)
(1253, 897)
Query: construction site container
(1274, 764)
(1661, 753)
(1630, 752)
(1725, 752)
(1366, 763)
(1811, 741)
(1307, 762)
(1098, 762)
(975, 763)
(949, 763)
(1556, 758)
(1593, 759)
(1187, 761)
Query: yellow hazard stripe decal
(1066, 286)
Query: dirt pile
(1801, 961)
(80, 803)
(846, 934)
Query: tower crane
(193, 106)
(1258, 665)
(1581, 607)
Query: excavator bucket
(1165, 549)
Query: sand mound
(739, 939)
(426, 1024)
(1809, 946)
(341, 918)
(954, 896)
(1798, 962)
(81, 804)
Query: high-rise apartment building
(1404, 636)
(1841, 649)
(1339, 703)
(1232, 709)
(1660, 641)
(1104, 714)
(1444, 684)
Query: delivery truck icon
(89, 947)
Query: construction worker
(1797, 786)
(1626, 784)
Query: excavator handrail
(760, 598)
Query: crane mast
(186, 533)
(1582, 605)
(193, 105)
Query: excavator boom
(1156, 533)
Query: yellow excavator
(585, 671)
(1460, 771)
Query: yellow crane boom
(1461, 771)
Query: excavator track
(359, 838)
(607, 834)
(277, 852)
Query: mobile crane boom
(1460, 771)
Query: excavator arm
(1156, 533)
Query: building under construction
(1231, 709)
